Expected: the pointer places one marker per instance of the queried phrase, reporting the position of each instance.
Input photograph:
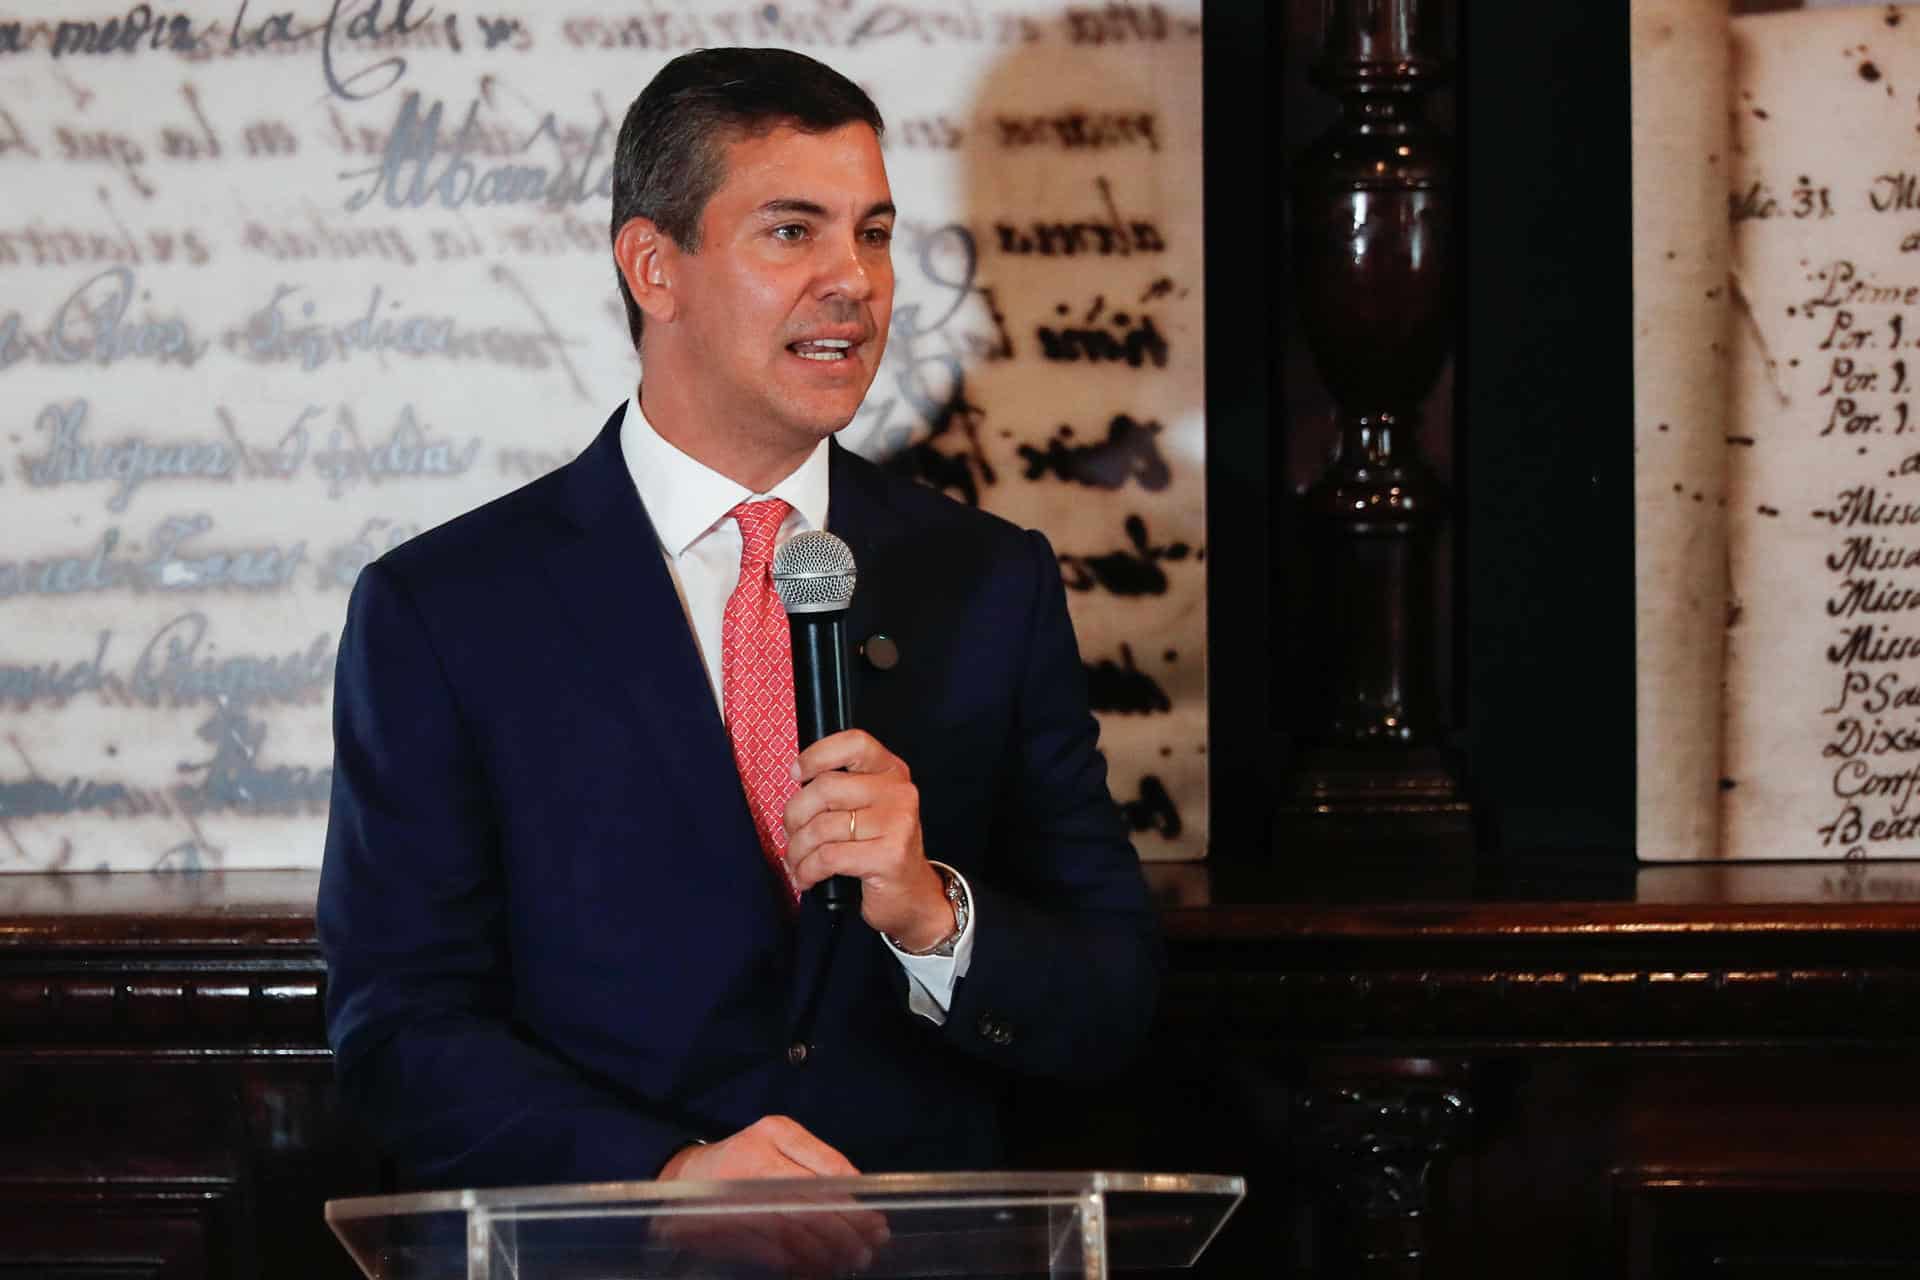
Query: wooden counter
(1572, 1069)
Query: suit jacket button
(797, 1053)
(994, 1031)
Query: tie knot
(759, 523)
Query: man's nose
(849, 274)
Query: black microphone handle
(823, 705)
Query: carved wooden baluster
(1373, 254)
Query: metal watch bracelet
(957, 899)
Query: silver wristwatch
(957, 898)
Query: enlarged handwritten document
(1778, 443)
(284, 283)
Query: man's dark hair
(670, 157)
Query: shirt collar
(685, 498)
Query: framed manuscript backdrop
(1776, 435)
(283, 284)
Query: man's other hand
(829, 1238)
(770, 1147)
(857, 813)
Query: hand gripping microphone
(813, 572)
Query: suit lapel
(612, 582)
(858, 514)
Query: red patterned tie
(756, 683)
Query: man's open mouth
(827, 349)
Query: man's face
(785, 305)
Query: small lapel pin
(880, 651)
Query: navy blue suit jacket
(555, 952)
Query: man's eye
(879, 235)
(792, 233)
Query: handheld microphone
(814, 576)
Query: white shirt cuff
(931, 979)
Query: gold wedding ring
(853, 824)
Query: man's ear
(647, 257)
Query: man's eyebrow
(793, 204)
(811, 209)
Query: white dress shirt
(688, 503)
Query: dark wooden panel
(166, 1097)
(1582, 1086)
(157, 1231)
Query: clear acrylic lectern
(1056, 1225)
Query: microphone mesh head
(813, 572)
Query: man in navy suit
(559, 948)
